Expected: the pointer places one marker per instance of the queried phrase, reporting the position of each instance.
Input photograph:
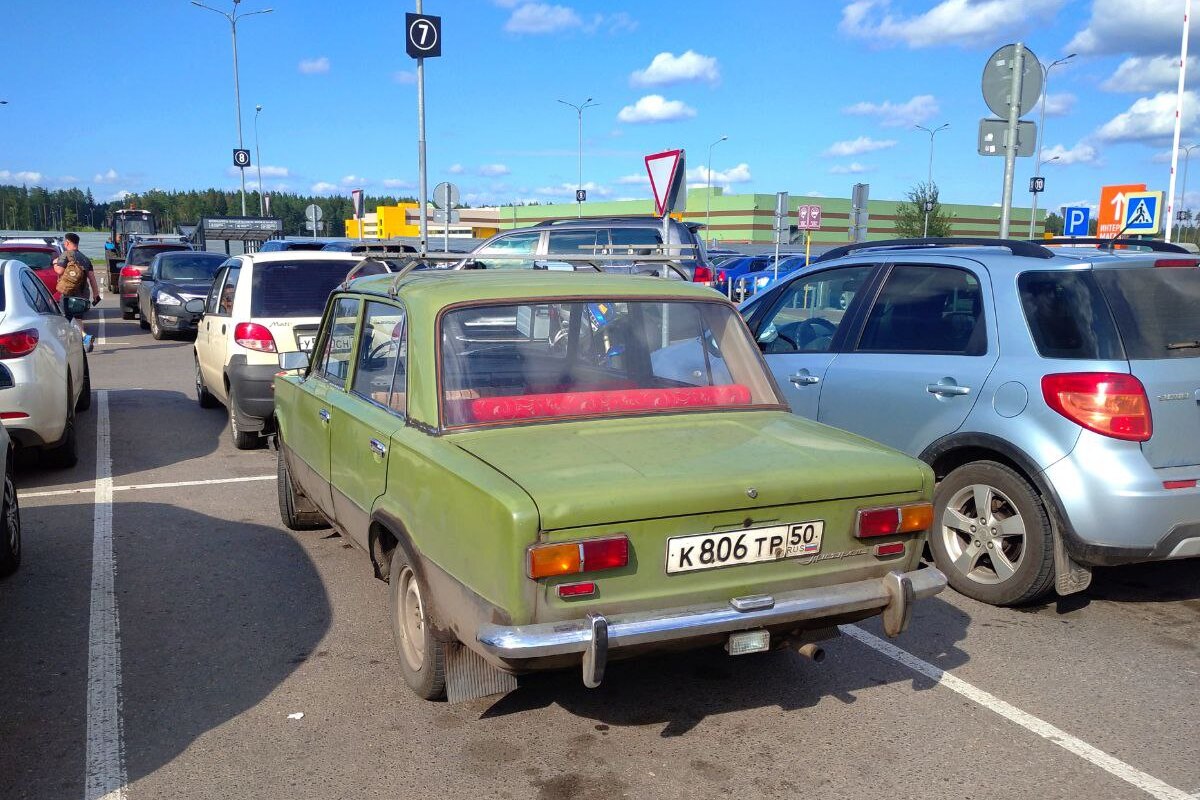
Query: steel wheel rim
(233, 426)
(410, 618)
(154, 323)
(199, 385)
(12, 517)
(984, 534)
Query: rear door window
(1068, 317)
(37, 300)
(635, 241)
(1157, 310)
(294, 288)
(927, 309)
(573, 243)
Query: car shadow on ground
(680, 690)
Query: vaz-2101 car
(555, 469)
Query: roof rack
(592, 220)
(1015, 246)
(1107, 244)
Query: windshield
(601, 357)
(142, 256)
(34, 259)
(135, 225)
(1155, 310)
(295, 288)
(189, 267)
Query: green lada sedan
(555, 469)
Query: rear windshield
(1068, 316)
(197, 267)
(34, 259)
(142, 256)
(511, 363)
(295, 288)
(1157, 310)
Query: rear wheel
(128, 313)
(297, 512)
(992, 535)
(203, 396)
(242, 440)
(10, 527)
(422, 657)
(64, 454)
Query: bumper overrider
(594, 635)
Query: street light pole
(262, 211)
(233, 18)
(708, 195)
(579, 115)
(1041, 134)
(929, 180)
(1187, 154)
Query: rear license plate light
(744, 642)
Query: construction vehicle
(125, 224)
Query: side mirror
(293, 361)
(194, 306)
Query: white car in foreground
(44, 376)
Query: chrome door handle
(947, 389)
(323, 414)
(378, 447)
(800, 379)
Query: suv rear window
(34, 259)
(142, 256)
(1068, 316)
(295, 288)
(1156, 310)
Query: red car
(37, 257)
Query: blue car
(729, 272)
(752, 283)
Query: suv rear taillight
(1109, 403)
(1176, 262)
(130, 272)
(253, 336)
(18, 343)
(702, 274)
(568, 558)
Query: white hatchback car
(260, 304)
(44, 375)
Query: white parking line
(100, 324)
(62, 492)
(1114, 766)
(104, 776)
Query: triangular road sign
(665, 177)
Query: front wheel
(422, 657)
(156, 330)
(10, 528)
(991, 535)
(203, 395)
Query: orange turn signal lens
(916, 518)
(555, 559)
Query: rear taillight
(130, 272)
(253, 336)
(890, 520)
(13, 415)
(547, 560)
(19, 343)
(1109, 403)
(702, 274)
(1176, 262)
(721, 276)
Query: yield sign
(666, 179)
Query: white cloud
(1149, 118)
(1150, 74)
(314, 66)
(568, 190)
(641, 179)
(493, 170)
(398, 183)
(119, 196)
(667, 68)
(620, 22)
(1082, 153)
(354, 181)
(542, 18)
(895, 115)
(855, 147)
(1146, 27)
(656, 108)
(405, 77)
(110, 176)
(24, 176)
(701, 177)
(456, 169)
(1058, 105)
(853, 168)
(323, 187)
(955, 22)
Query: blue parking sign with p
(1076, 220)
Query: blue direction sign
(1143, 212)
(1076, 220)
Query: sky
(814, 96)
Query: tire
(421, 655)
(85, 393)
(203, 396)
(242, 440)
(988, 556)
(128, 313)
(65, 454)
(10, 527)
(156, 330)
(297, 512)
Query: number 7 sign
(424, 39)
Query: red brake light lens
(702, 274)
(19, 343)
(1177, 262)
(605, 553)
(253, 336)
(888, 520)
(1188, 484)
(1109, 403)
(130, 272)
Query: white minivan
(260, 304)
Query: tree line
(40, 209)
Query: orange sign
(1111, 216)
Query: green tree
(1054, 224)
(910, 215)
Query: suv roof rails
(596, 220)
(1015, 246)
(1150, 244)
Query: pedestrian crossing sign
(1143, 213)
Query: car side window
(37, 300)
(221, 300)
(337, 342)
(927, 309)
(210, 305)
(810, 310)
(514, 244)
(381, 372)
(573, 243)
(635, 241)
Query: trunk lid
(583, 473)
(1173, 388)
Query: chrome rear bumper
(595, 634)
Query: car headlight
(164, 299)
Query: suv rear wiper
(1183, 345)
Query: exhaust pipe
(813, 652)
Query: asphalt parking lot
(164, 629)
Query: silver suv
(1055, 391)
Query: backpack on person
(73, 276)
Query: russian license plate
(306, 343)
(749, 546)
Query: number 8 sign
(424, 38)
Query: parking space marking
(1114, 766)
(104, 778)
(172, 485)
(100, 324)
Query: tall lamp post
(929, 180)
(708, 196)
(233, 17)
(579, 114)
(262, 209)
(1187, 154)
(1041, 134)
